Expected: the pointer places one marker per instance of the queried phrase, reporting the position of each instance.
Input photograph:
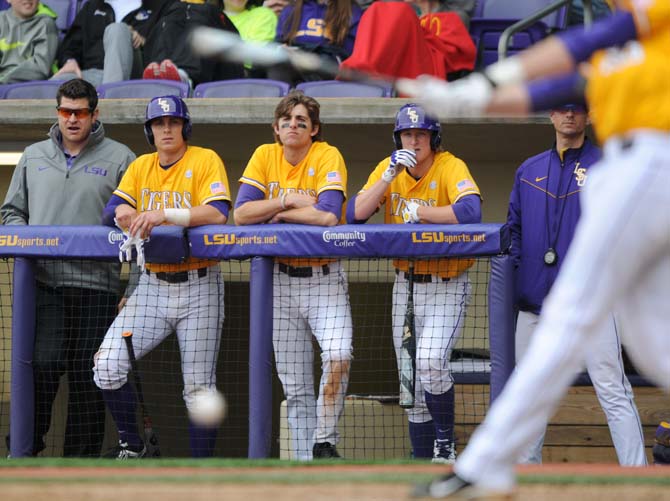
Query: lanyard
(550, 255)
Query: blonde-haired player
(620, 256)
(420, 182)
(187, 186)
(302, 179)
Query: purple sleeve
(222, 206)
(331, 201)
(109, 212)
(351, 212)
(468, 209)
(514, 219)
(609, 31)
(548, 93)
(248, 193)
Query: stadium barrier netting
(372, 424)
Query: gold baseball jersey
(628, 87)
(447, 180)
(321, 170)
(198, 178)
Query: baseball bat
(150, 438)
(227, 46)
(408, 347)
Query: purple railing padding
(167, 244)
(22, 400)
(501, 322)
(260, 358)
(348, 241)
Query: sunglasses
(78, 113)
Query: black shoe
(454, 487)
(324, 450)
(124, 451)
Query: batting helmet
(413, 116)
(167, 106)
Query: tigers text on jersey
(628, 86)
(447, 180)
(198, 178)
(321, 170)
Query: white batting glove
(466, 97)
(399, 158)
(409, 212)
(126, 248)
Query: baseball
(208, 407)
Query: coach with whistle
(421, 183)
(66, 180)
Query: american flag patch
(466, 184)
(217, 188)
(333, 177)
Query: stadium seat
(338, 88)
(62, 9)
(242, 87)
(142, 89)
(498, 15)
(38, 89)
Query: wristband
(181, 217)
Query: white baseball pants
(619, 261)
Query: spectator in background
(254, 22)
(327, 28)
(29, 42)
(100, 44)
(600, 8)
(276, 6)
(76, 300)
(168, 50)
(464, 8)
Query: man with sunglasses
(543, 212)
(66, 180)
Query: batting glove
(466, 97)
(409, 212)
(398, 158)
(126, 248)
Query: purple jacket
(543, 212)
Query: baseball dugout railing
(482, 359)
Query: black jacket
(83, 40)
(168, 39)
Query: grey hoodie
(27, 47)
(44, 192)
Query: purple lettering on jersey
(96, 171)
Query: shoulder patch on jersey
(465, 184)
(217, 187)
(333, 177)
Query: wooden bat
(407, 361)
(150, 438)
(227, 46)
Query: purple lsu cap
(577, 108)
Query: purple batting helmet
(167, 106)
(413, 116)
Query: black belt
(301, 272)
(421, 279)
(177, 277)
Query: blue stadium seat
(142, 89)
(242, 87)
(62, 9)
(338, 88)
(38, 89)
(494, 16)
